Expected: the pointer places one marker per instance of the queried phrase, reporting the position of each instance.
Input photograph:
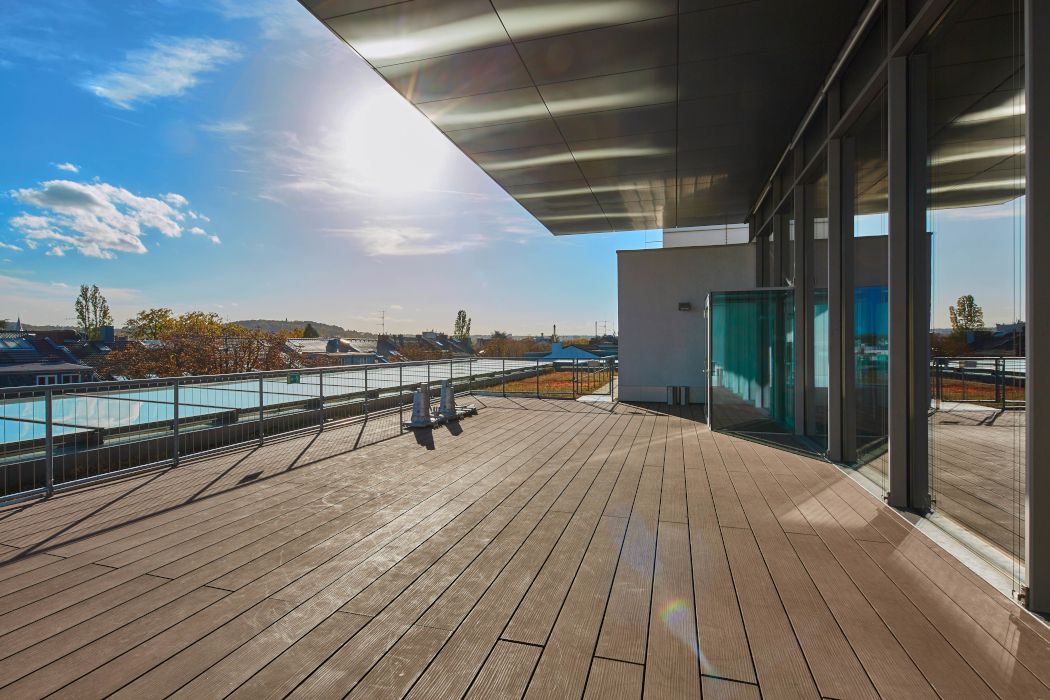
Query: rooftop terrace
(541, 549)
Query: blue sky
(236, 157)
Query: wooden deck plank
(533, 554)
(614, 680)
(721, 689)
(672, 667)
(779, 662)
(506, 672)
(566, 659)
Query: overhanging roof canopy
(606, 115)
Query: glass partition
(816, 263)
(869, 170)
(976, 230)
(751, 365)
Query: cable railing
(59, 437)
(989, 381)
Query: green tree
(150, 324)
(92, 311)
(966, 315)
(310, 332)
(462, 327)
(500, 335)
(3, 324)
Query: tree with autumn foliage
(199, 343)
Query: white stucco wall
(660, 345)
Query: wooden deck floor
(544, 549)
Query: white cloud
(68, 167)
(96, 219)
(9, 246)
(168, 68)
(57, 251)
(215, 239)
(198, 231)
(382, 240)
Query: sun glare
(391, 149)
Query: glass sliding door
(975, 222)
(751, 368)
(870, 352)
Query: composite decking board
(391, 584)
(722, 689)
(722, 641)
(393, 676)
(144, 489)
(95, 651)
(565, 661)
(890, 668)
(779, 661)
(86, 609)
(371, 519)
(535, 616)
(466, 556)
(344, 669)
(672, 499)
(622, 498)
(161, 680)
(280, 676)
(525, 479)
(505, 673)
(999, 669)
(614, 680)
(626, 623)
(944, 669)
(450, 609)
(832, 661)
(672, 665)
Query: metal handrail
(129, 435)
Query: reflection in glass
(870, 290)
(816, 257)
(975, 220)
(752, 361)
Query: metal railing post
(175, 423)
(537, 379)
(503, 377)
(261, 410)
(400, 398)
(320, 397)
(366, 390)
(49, 442)
(609, 367)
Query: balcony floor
(550, 549)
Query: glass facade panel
(870, 289)
(816, 262)
(975, 222)
(751, 361)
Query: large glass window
(868, 144)
(816, 264)
(975, 223)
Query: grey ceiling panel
(530, 19)
(412, 31)
(607, 115)
(618, 122)
(501, 137)
(493, 69)
(618, 49)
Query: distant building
(335, 351)
(27, 359)
(559, 351)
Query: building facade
(886, 156)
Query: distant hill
(325, 330)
